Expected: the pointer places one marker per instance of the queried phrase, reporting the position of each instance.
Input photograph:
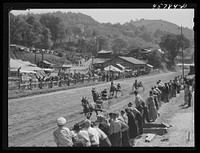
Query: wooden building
(127, 62)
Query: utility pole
(35, 56)
(182, 53)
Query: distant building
(127, 62)
(105, 54)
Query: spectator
(104, 140)
(139, 119)
(63, 136)
(189, 96)
(186, 91)
(116, 127)
(166, 95)
(133, 129)
(93, 134)
(81, 137)
(151, 107)
(125, 134)
(145, 114)
(138, 101)
(103, 124)
(159, 95)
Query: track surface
(32, 120)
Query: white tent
(112, 68)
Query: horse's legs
(116, 94)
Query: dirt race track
(32, 120)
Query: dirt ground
(32, 120)
(181, 119)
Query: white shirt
(93, 135)
(84, 135)
(102, 135)
(138, 100)
(63, 137)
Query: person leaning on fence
(189, 96)
(63, 136)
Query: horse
(137, 85)
(115, 89)
(88, 108)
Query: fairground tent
(26, 67)
(112, 68)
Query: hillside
(80, 33)
(154, 25)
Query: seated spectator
(63, 136)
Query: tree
(118, 44)
(172, 44)
(55, 25)
(46, 41)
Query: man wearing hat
(63, 136)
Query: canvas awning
(120, 66)
(112, 68)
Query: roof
(99, 60)
(120, 66)
(105, 51)
(149, 65)
(112, 68)
(46, 62)
(132, 60)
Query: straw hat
(61, 121)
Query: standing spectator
(103, 124)
(159, 95)
(125, 135)
(116, 127)
(166, 98)
(186, 91)
(93, 134)
(189, 96)
(145, 114)
(133, 129)
(123, 114)
(63, 136)
(161, 86)
(138, 101)
(174, 88)
(103, 138)
(81, 137)
(152, 107)
(155, 95)
(139, 119)
(170, 89)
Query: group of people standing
(121, 129)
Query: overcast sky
(181, 17)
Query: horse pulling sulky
(88, 108)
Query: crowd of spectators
(121, 128)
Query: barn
(127, 62)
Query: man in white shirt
(93, 134)
(63, 136)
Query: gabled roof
(99, 60)
(132, 60)
(105, 51)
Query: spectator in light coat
(63, 136)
